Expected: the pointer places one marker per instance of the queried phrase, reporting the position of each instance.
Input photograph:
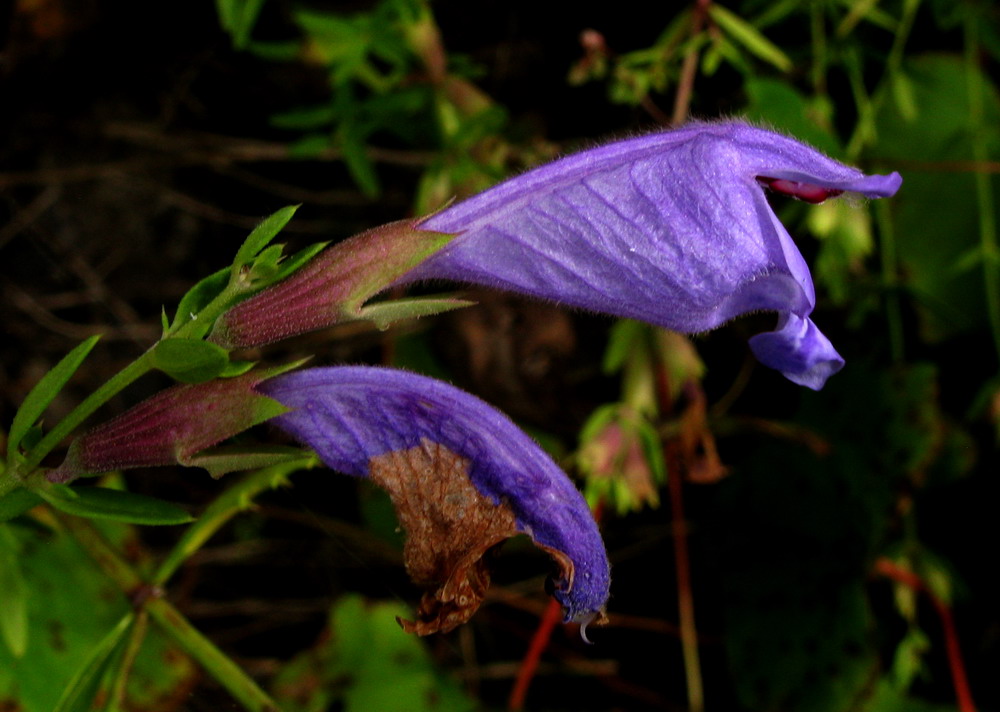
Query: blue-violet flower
(672, 228)
(462, 476)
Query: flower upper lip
(672, 228)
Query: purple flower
(672, 228)
(461, 475)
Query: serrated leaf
(262, 236)
(189, 360)
(44, 392)
(13, 597)
(78, 696)
(114, 505)
(747, 35)
(14, 504)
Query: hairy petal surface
(462, 476)
(672, 228)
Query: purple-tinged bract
(358, 418)
(672, 228)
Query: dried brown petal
(450, 526)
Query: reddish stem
(529, 664)
(897, 573)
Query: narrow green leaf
(115, 505)
(190, 360)
(356, 158)
(262, 236)
(79, 694)
(238, 18)
(198, 297)
(14, 504)
(747, 35)
(13, 597)
(305, 119)
(44, 392)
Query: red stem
(529, 664)
(897, 573)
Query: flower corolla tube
(462, 477)
(673, 228)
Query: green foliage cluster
(820, 493)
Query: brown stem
(685, 87)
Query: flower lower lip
(802, 191)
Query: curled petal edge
(799, 350)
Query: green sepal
(79, 694)
(222, 461)
(43, 393)
(17, 502)
(189, 360)
(259, 239)
(237, 368)
(290, 265)
(115, 505)
(384, 314)
(265, 266)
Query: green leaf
(44, 392)
(358, 163)
(13, 596)
(198, 297)
(368, 664)
(305, 119)
(261, 237)
(190, 360)
(79, 695)
(747, 35)
(238, 18)
(14, 504)
(71, 607)
(114, 505)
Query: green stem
(984, 187)
(890, 280)
(215, 662)
(95, 400)
(867, 109)
(145, 596)
(234, 500)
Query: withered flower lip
(672, 228)
(462, 476)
